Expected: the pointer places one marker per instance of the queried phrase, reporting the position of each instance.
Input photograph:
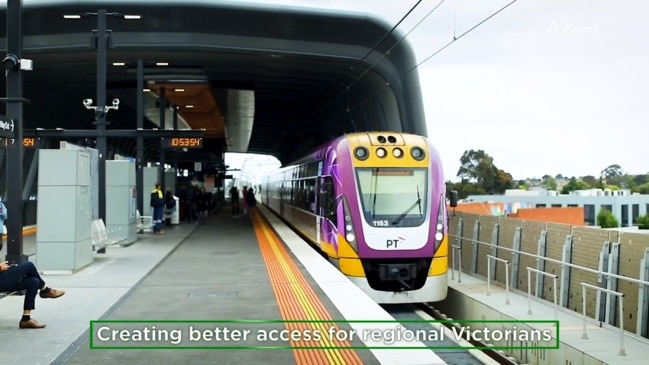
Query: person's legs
(30, 281)
(15, 274)
(157, 217)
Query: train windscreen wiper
(404, 214)
(375, 182)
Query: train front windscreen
(393, 197)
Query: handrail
(562, 263)
(459, 260)
(529, 289)
(489, 258)
(620, 297)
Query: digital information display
(183, 142)
(28, 142)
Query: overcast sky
(544, 87)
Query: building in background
(626, 207)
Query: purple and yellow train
(375, 204)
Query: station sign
(6, 127)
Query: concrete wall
(587, 244)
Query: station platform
(229, 269)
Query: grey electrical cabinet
(170, 180)
(121, 198)
(64, 213)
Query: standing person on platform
(200, 206)
(3, 217)
(157, 203)
(244, 200)
(251, 202)
(170, 207)
(234, 197)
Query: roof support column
(175, 121)
(139, 142)
(100, 112)
(15, 150)
(161, 166)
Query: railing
(459, 260)
(562, 264)
(529, 289)
(489, 258)
(620, 297)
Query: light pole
(101, 37)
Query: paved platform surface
(208, 272)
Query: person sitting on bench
(24, 276)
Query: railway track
(461, 354)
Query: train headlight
(361, 153)
(417, 153)
(439, 227)
(350, 234)
(397, 152)
(381, 152)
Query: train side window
(309, 195)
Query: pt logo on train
(393, 243)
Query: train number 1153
(381, 223)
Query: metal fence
(561, 259)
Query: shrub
(643, 222)
(606, 219)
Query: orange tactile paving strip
(298, 301)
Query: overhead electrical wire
(462, 35)
(387, 34)
(397, 43)
(455, 38)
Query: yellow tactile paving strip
(298, 301)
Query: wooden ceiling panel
(196, 105)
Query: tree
(477, 167)
(590, 180)
(612, 172)
(606, 219)
(643, 189)
(464, 189)
(550, 183)
(641, 179)
(502, 181)
(643, 222)
(573, 185)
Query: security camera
(10, 62)
(87, 102)
(115, 102)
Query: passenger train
(375, 204)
